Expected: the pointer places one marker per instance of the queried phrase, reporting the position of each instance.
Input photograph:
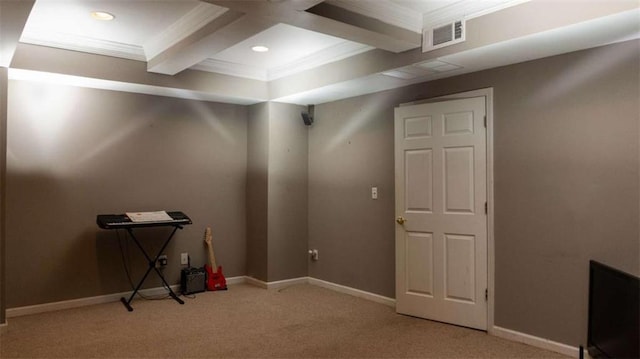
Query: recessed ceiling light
(102, 15)
(260, 48)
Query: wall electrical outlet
(162, 261)
(374, 192)
(184, 258)
(314, 254)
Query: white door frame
(487, 93)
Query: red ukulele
(215, 280)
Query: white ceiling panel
(291, 49)
(286, 44)
(422, 6)
(135, 21)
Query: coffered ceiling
(318, 50)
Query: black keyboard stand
(122, 221)
(152, 266)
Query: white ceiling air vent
(443, 35)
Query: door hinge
(486, 208)
(486, 294)
(485, 121)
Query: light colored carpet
(301, 321)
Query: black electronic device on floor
(614, 313)
(192, 280)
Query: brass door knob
(400, 220)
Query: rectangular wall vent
(443, 35)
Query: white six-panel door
(441, 234)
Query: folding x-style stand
(122, 221)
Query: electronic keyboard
(115, 221)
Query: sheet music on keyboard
(155, 216)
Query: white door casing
(441, 194)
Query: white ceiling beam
(244, 19)
(222, 32)
(301, 5)
(331, 20)
(276, 8)
(375, 32)
(199, 16)
(112, 73)
(386, 10)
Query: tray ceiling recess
(217, 36)
(336, 48)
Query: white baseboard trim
(236, 280)
(114, 297)
(101, 299)
(324, 284)
(354, 292)
(83, 302)
(256, 282)
(287, 282)
(276, 284)
(535, 341)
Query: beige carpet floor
(301, 321)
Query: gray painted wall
(257, 190)
(4, 82)
(277, 170)
(288, 169)
(74, 153)
(566, 184)
(351, 150)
